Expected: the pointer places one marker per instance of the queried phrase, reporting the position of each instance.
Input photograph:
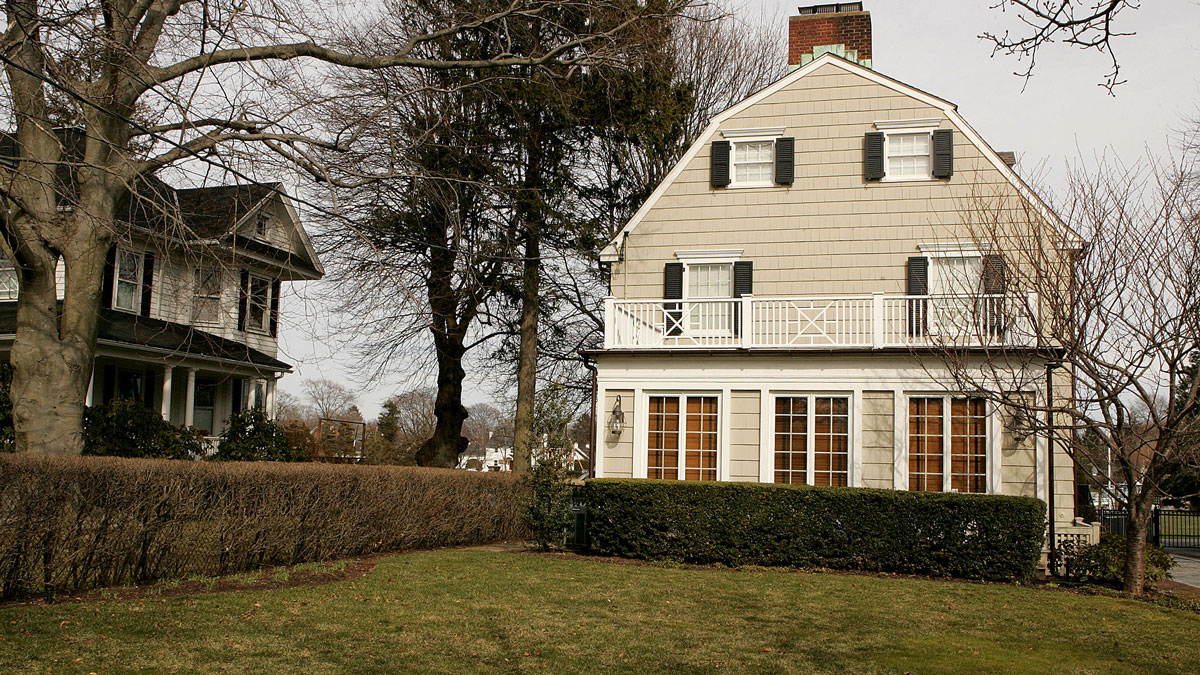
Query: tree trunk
(523, 440)
(1137, 526)
(447, 442)
(54, 349)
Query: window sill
(744, 186)
(916, 179)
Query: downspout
(1053, 550)
(590, 365)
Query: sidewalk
(1188, 571)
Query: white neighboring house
(777, 305)
(189, 318)
(500, 459)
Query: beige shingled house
(778, 302)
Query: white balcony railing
(868, 321)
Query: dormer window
(262, 226)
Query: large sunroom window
(812, 440)
(947, 444)
(682, 427)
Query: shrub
(971, 536)
(1104, 563)
(129, 429)
(251, 437)
(71, 523)
(547, 510)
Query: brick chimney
(839, 27)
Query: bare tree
(152, 83)
(1113, 318)
(713, 59)
(329, 399)
(1089, 25)
(289, 408)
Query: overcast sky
(1059, 116)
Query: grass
(475, 611)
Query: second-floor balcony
(873, 321)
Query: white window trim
(266, 327)
(888, 125)
(810, 431)
(990, 449)
(116, 280)
(763, 133)
(733, 179)
(917, 127)
(710, 256)
(644, 420)
(687, 265)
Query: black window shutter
(148, 389)
(743, 278)
(275, 286)
(237, 394)
(785, 160)
(873, 155)
(720, 163)
(110, 268)
(147, 282)
(994, 283)
(743, 284)
(918, 284)
(943, 153)
(994, 274)
(243, 298)
(673, 290)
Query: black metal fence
(1170, 528)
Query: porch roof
(141, 331)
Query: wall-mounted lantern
(617, 422)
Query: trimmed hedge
(68, 524)
(958, 535)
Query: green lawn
(467, 610)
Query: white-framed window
(9, 284)
(752, 163)
(682, 436)
(958, 273)
(262, 226)
(711, 284)
(955, 282)
(127, 280)
(206, 296)
(908, 155)
(948, 443)
(258, 304)
(812, 439)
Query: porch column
(189, 404)
(91, 386)
(166, 392)
(271, 385)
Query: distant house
(189, 315)
(779, 302)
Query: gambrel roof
(611, 252)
